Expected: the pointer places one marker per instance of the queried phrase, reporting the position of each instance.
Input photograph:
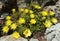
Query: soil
(39, 35)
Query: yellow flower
(43, 18)
(13, 26)
(27, 33)
(8, 22)
(37, 7)
(13, 10)
(32, 15)
(16, 35)
(48, 23)
(54, 20)
(32, 21)
(21, 9)
(5, 29)
(26, 11)
(30, 11)
(51, 13)
(21, 20)
(8, 17)
(44, 13)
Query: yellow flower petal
(44, 13)
(32, 15)
(32, 21)
(5, 29)
(37, 6)
(48, 23)
(8, 17)
(16, 35)
(21, 20)
(51, 13)
(30, 11)
(26, 11)
(13, 10)
(8, 22)
(13, 26)
(27, 32)
(21, 9)
(54, 20)
(43, 18)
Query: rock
(4, 38)
(10, 38)
(32, 39)
(56, 9)
(53, 33)
(54, 39)
(21, 5)
(4, 15)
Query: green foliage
(31, 19)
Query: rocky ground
(10, 38)
(52, 34)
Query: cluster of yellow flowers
(34, 19)
(7, 23)
(22, 20)
(10, 24)
(22, 10)
(45, 13)
(25, 10)
(48, 22)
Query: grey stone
(53, 33)
(54, 39)
(4, 38)
(10, 38)
(4, 15)
(21, 5)
(32, 39)
(55, 8)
